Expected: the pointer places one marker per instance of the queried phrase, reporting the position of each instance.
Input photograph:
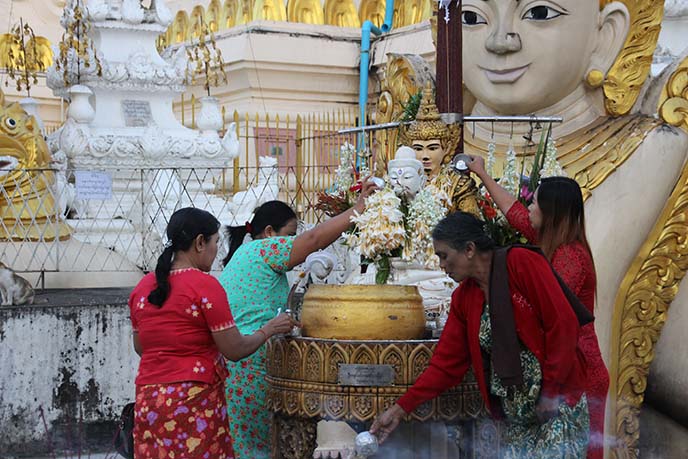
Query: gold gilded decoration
(415, 11)
(213, 15)
(594, 78)
(293, 392)
(244, 12)
(673, 102)
(269, 10)
(429, 125)
(179, 28)
(405, 75)
(76, 47)
(631, 68)
(229, 13)
(374, 11)
(24, 55)
(205, 59)
(27, 207)
(641, 308)
(363, 312)
(196, 22)
(461, 190)
(589, 156)
(305, 11)
(341, 13)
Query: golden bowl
(363, 312)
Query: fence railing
(114, 220)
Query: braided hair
(184, 227)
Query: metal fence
(52, 220)
(114, 219)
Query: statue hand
(387, 422)
(477, 166)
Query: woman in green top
(256, 284)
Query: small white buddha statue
(406, 175)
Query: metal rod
(466, 119)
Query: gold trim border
(640, 311)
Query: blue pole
(366, 30)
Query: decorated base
(311, 379)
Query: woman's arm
(329, 231)
(235, 346)
(447, 367)
(500, 196)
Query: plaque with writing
(93, 185)
(365, 375)
(137, 113)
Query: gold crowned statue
(434, 142)
(27, 207)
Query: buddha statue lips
(27, 206)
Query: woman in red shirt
(519, 334)
(183, 328)
(555, 220)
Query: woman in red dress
(183, 329)
(555, 220)
(511, 322)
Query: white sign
(93, 185)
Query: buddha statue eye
(542, 13)
(471, 18)
(10, 123)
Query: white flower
(425, 211)
(380, 228)
(511, 177)
(551, 166)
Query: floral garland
(425, 211)
(379, 230)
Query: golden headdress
(625, 79)
(429, 125)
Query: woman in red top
(555, 220)
(537, 383)
(183, 329)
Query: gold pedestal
(303, 387)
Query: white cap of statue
(405, 157)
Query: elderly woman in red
(555, 220)
(183, 328)
(511, 322)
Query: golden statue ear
(615, 23)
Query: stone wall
(68, 368)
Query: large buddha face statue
(524, 56)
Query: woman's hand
(387, 422)
(547, 408)
(283, 323)
(368, 187)
(477, 166)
